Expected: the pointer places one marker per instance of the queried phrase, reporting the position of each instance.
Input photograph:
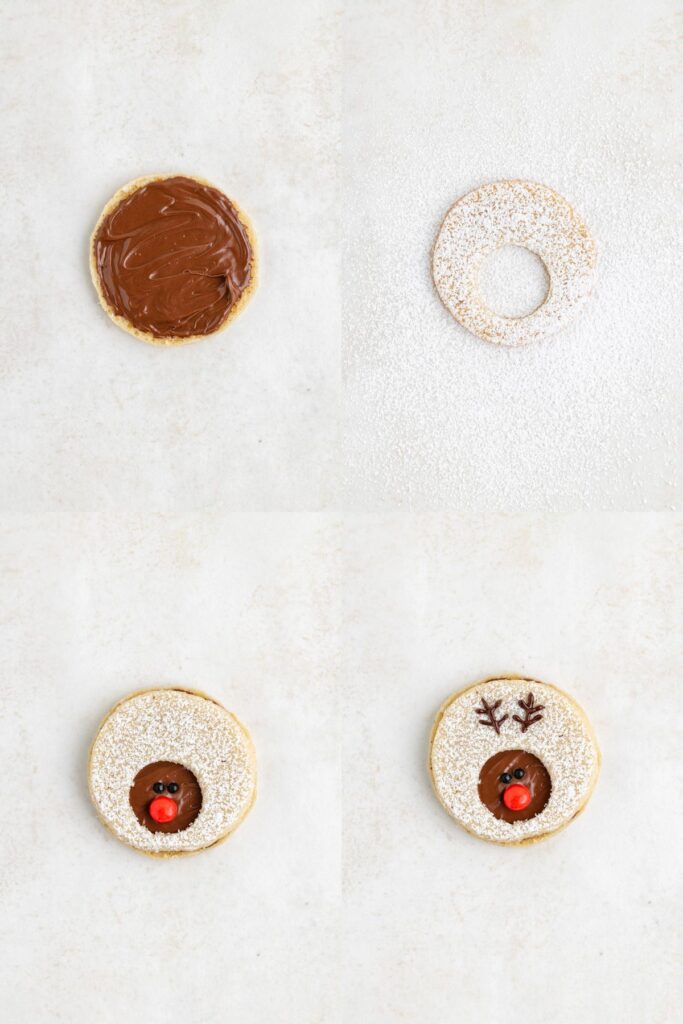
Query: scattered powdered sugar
(513, 213)
(587, 418)
(188, 729)
(562, 740)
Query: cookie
(171, 771)
(513, 760)
(172, 259)
(519, 213)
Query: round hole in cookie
(536, 780)
(513, 281)
(188, 795)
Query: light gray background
(196, 516)
(439, 926)
(579, 95)
(166, 514)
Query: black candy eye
(158, 787)
(173, 787)
(506, 777)
(519, 773)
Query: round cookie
(173, 260)
(513, 760)
(520, 213)
(171, 771)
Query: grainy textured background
(165, 514)
(439, 98)
(439, 926)
(176, 516)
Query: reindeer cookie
(171, 771)
(513, 760)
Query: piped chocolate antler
(489, 713)
(532, 713)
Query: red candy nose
(163, 809)
(515, 798)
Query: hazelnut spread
(173, 258)
(164, 782)
(511, 770)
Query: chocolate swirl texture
(173, 258)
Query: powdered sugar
(587, 418)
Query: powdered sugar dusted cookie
(513, 213)
(171, 771)
(513, 760)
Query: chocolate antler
(489, 713)
(531, 713)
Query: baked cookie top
(513, 759)
(172, 259)
(171, 771)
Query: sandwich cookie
(513, 760)
(171, 771)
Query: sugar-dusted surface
(583, 97)
(520, 213)
(185, 728)
(562, 740)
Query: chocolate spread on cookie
(173, 258)
(514, 767)
(164, 778)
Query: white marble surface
(181, 516)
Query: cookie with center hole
(513, 760)
(171, 771)
(517, 213)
